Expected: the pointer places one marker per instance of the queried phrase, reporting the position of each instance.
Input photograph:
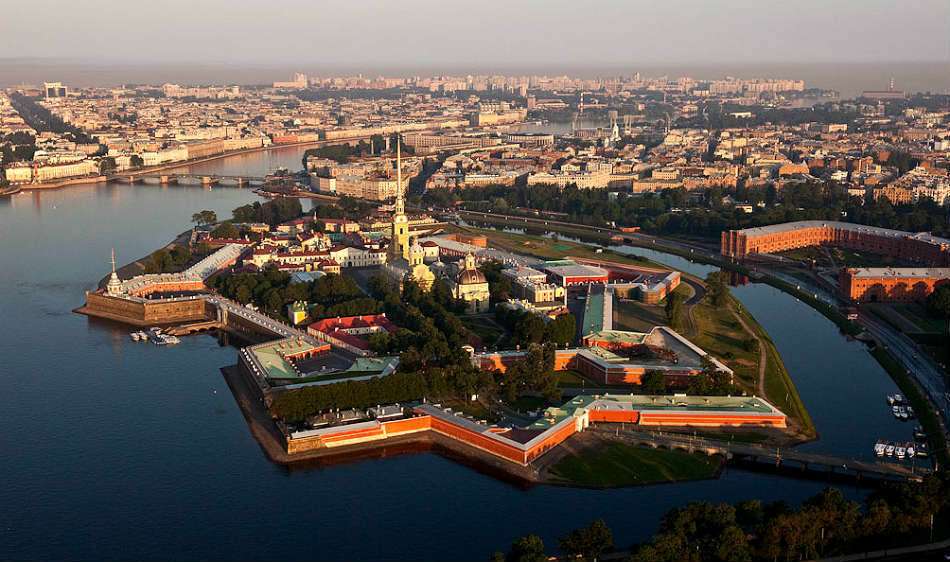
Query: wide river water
(114, 449)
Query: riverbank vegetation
(826, 524)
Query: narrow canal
(116, 449)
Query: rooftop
(877, 231)
(903, 272)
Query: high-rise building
(55, 90)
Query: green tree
(204, 217)
(529, 548)
(674, 310)
(226, 230)
(717, 283)
(106, 165)
(653, 382)
(136, 161)
(589, 542)
(939, 301)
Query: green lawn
(475, 409)
(617, 464)
(548, 248)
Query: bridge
(790, 462)
(165, 178)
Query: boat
(135, 336)
(898, 399)
(923, 450)
(900, 451)
(902, 413)
(879, 447)
(911, 450)
(919, 433)
(890, 400)
(889, 449)
(910, 413)
(10, 190)
(896, 410)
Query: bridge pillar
(163, 180)
(240, 182)
(131, 179)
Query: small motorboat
(889, 449)
(890, 399)
(919, 433)
(135, 336)
(910, 413)
(879, 447)
(911, 450)
(898, 399)
(923, 450)
(903, 414)
(896, 410)
(900, 451)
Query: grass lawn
(570, 378)
(617, 464)
(544, 247)
(719, 333)
(485, 328)
(475, 409)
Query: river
(115, 449)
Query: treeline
(269, 212)
(827, 524)
(671, 212)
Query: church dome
(470, 277)
(416, 249)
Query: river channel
(114, 449)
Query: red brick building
(921, 247)
(879, 284)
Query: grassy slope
(618, 464)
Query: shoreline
(170, 166)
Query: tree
(653, 382)
(529, 548)
(106, 165)
(674, 310)
(226, 230)
(717, 283)
(205, 217)
(136, 161)
(589, 542)
(939, 301)
(180, 255)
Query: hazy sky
(501, 33)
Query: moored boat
(900, 451)
(879, 447)
(889, 449)
(911, 449)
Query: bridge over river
(790, 462)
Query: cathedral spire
(400, 204)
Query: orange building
(921, 247)
(880, 284)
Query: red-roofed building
(344, 332)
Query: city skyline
(527, 34)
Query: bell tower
(399, 246)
